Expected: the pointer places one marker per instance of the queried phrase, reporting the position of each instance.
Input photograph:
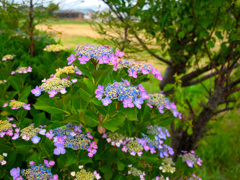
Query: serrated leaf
(25, 93)
(113, 124)
(99, 76)
(130, 113)
(75, 118)
(90, 118)
(48, 106)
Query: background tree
(197, 40)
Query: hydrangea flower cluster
(17, 104)
(55, 48)
(159, 133)
(122, 91)
(8, 57)
(160, 101)
(53, 86)
(35, 172)
(161, 178)
(2, 161)
(3, 81)
(102, 54)
(130, 144)
(191, 158)
(22, 70)
(135, 68)
(6, 128)
(68, 70)
(166, 166)
(30, 132)
(71, 136)
(135, 172)
(85, 175)
(137, 145)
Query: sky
(74, 4)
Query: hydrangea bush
(92, 119)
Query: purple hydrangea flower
(35, 139)
(36, 91)
(15, 172)
(71, 59)
(26, 106)
(119, 53)
(83, 59)
(138, 102)
(59, 150)
(52, 93)
(106, 101)
(128, 103)
(50, 134)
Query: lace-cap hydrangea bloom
(166, 166)
(135, 172)
(161, 178)
(101, 54)
(34, 172)
(85, 175)
(160, 101)
(122, 91)
(71, 136)
(68, 70)
(22, 70)
(55, 48)
(53, 85)
(191, 158)
(136, 68)
(8, 57)
(30, 132)
(17, 104)
(135, 145)
(6, 128)
(2, 161)
(3, 81)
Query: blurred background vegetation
(219, 148)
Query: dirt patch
(70, 30)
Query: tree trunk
(181, 140)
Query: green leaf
(181, 34)
(48, 106)
(130, 113)
(113, 123)
(120, 165)
(15, 83)
(57, 64)
(99, 76)
(165, 122)
(219, 34)
(71, 158)
(84, 70)
(210, 44)
(189, 131)
(190, 27)
(75, 118)
(107, 170)
(25, 93)
(90, 118)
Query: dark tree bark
(181, 140)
